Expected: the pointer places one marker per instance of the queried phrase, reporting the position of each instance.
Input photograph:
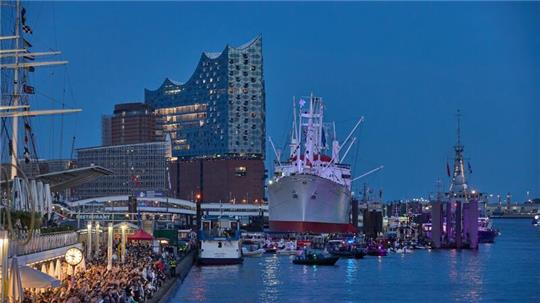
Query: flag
(302, 102)
(448, 169)
(323, 140)
(136, 180)
(26, 155)
(25, 27)
(27, 89)
(27, 43)
(23, 16)
(470, 169)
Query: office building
(136, 168)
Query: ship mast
(21, 51)
(15, 120)
(459, 182)
(294, 139)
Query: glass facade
(220, 110)
(136, 167)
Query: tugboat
(220, 241)
(312, 257)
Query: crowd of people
(135, 281)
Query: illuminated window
(240, 171)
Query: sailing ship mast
(17, 109)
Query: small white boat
(286, 252)
(289, 249)
(252, 253)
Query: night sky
(406, 67)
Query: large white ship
(311, 191)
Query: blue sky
(406, 67)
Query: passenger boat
(220, 242)
(270, 247)
(311, 257)
(343, 249)
(536, 219)
(376, 250)
(486, 232)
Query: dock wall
(182, 269)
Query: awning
(70, 178)
(15, 291)
(127, 224)
(32, 278)
(140, 235)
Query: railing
(219, 234)
(40, 243)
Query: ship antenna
(458, 115)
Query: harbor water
(507, 271)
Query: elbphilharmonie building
(220, 110)
(216, 122)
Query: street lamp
(4, 255)
(97, 239)
(89, 241)
(123, 228)
(109, 245)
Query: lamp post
(97, 239)
(109, 246)
(123, 247)
(4, 255)
(89, 244)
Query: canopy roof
(140, 235)
(69, 178)
(32, 278)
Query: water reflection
(270, 280)
(350, 272)
(422, 276)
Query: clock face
(73, 256)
